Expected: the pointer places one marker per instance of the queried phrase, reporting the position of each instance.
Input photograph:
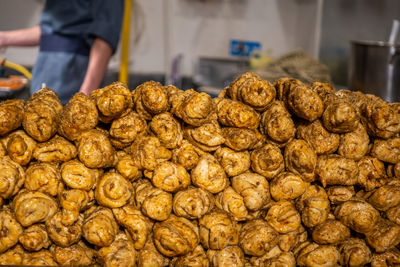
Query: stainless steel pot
(375, 69)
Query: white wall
(162, 29)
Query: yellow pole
(126, 23)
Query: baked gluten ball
(384, 235)
(12, 177)
(42, 115)
(78, 115)
(147, 152)
(57, 149)
(119, 253)
(127, 167)
(267, 161)
(11, 115)
(19, 147)
(112, 101)
(218, 230)
(150, 98)
(283, 217)
(187, 155)
(231, 202)
(314, 206)
(170, 177)
(236, 114)
(95, 149)
(150, 256)
(304, 102)
(167, 129)
(300, 158)
(287, 186)
(383, 119)
(354, 252)
(313, 254)
(137, 225)
(79, 254)
(34, 238)
(233, 162)
(62, 234)
(193, 203)
(336, 170)
(76, 175)
(250, 89)
(43, 177)
(340, 194)
(340, 117)
(208, 137)
(330, 232)
(197, 257)
(113, 190)
(371, 173)
(387, 150)
(10, 228)
(175, 236)
(124, 130)
(355, 144)
(228, 256)
(240, 139)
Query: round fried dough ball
(283, 217)
(186, 155)
(232, 203)
(153, 202)
(234, 163)
(304, 102)
(39, 258)
(384, 235)
(313, 255)
(301, 158)
(289, 241)
(320, 139)
(336, 170)
(113, 190)
(148, 152)
(287, 185)
(358, 215)
(42, 115)
(277, 124)
(76, 175)
(314, 206)
(32, 207)
(283, 259)
(229, 256)
(209, 175)
(127, 167)
(61, 234)
(150, 99)
(283, 86)
(11, 115)
(257, 237)
(193, 107)
(13, 256)
(175, 236)
(253, 188)
(340, 194)
(251, 90)
(330, 232)
(208, 137)
(138, 225)
(112, 101)
(73, 201)
(99, 226)
(95, 149)
(43, 177)
(149, 256)
(236, 114)
(340, 117)
(385, 197)
(383, 119)
(10, 230)
(354, 252)
(387, 150)
(167, 129)
(267, 161)
(170, 177)
(196, 258)
(78, 254)
(57, 149)
(124, 130)
(78, 115)
(34, 238)
(355, 144)
(240, 139)
(12, 177)
(218, 230)
(20, 147)
(371, 173)
(193, 203)
(120, 253)
(386, 259)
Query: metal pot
(375, 69)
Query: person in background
(76, 40)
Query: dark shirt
(85, 18)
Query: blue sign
(243, 48)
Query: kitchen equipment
(374, 66)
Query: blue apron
(61, 64)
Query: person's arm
(100, 55)
(23, 37)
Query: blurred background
(204, 44)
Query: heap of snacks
(281, 174)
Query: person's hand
(2, 40)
